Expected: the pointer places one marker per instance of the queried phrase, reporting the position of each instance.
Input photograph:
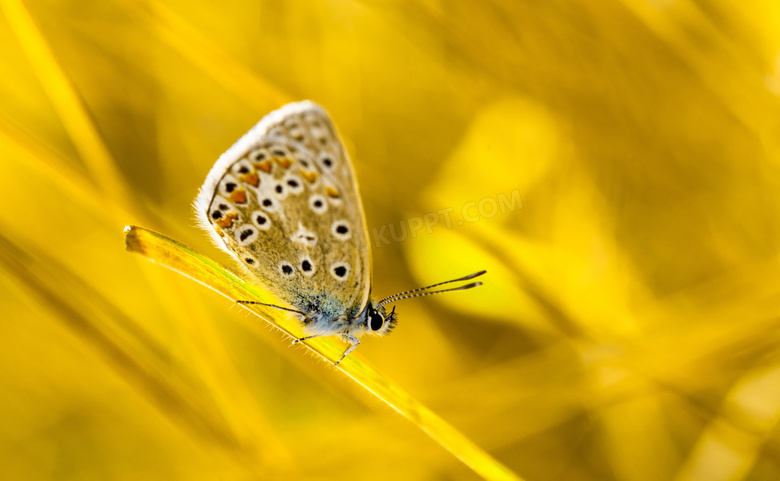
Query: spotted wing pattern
(284, 202)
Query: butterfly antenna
(419, 291)
(272, 305)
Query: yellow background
(628, 326)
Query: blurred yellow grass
(629, 328)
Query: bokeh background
(628, 328)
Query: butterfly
(284, 202)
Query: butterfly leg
(354, 341)
(296, 341)
(271, 305)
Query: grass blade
(175, 255)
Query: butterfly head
(378, 321)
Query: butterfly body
(284, 202)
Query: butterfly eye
(377, 321)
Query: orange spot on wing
(283, 161)
(227, 221)
(332, 192)
(238, 196)
(265, 166)
(251, 178)
(309, 176)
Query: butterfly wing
(284, 202)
